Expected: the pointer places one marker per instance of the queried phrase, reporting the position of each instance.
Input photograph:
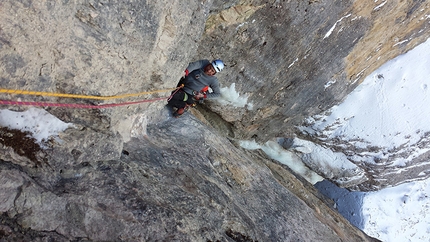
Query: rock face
(97, 48)
(181, 181)
(131, 173)
(295, 59)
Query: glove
(199, 96)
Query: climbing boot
(178, 112)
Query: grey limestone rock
(132, 173)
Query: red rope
(75, 105)
(173, 93)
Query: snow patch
(379, 6)
(38, 122)
(399, 213)
(334, 26)
(382, 111)
(384, 116)
(297, 59)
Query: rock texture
(180, 182)
(97, 48)
(132, 173)
(295, 59)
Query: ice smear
(277, 152)
(229, 96)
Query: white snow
(334, 26)
(38, 122)
(389, 110)
(380, 6)
(401, 42)
(399, 214)
(383, 111)
(297, 59)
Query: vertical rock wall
(180, 182)
(294, 59)
(97, 48)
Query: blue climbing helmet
(218, 65)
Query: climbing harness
(173, 93)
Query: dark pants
(177, 100)
(181, 81)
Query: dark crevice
(225, 128)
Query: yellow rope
(53, 94)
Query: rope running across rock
(75, 105)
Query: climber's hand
(199, 96)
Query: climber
(198, 78)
